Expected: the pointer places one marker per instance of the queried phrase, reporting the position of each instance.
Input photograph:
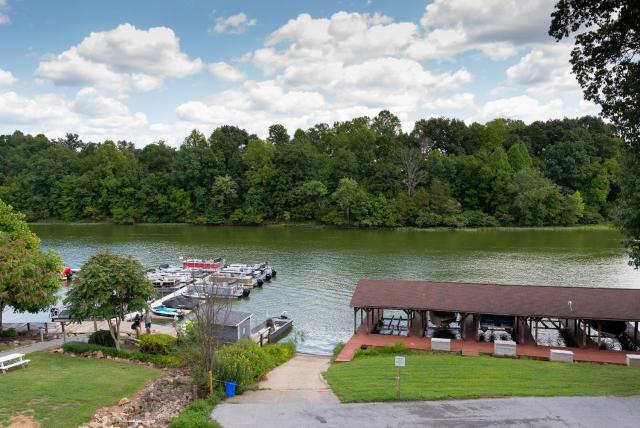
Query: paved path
(299, 380)
(42, 346)
(508, 412)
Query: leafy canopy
(28, 277)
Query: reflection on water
(318, 267)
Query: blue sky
(150, 70)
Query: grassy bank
(64, 391)
(442, 376)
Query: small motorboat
(273, 329)
(163, 311)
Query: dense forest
(364, 172)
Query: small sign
(399, 361)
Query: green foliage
(28, 276)
(102, 338)
(246, 362)
(358, 173)
(171, 360)
(197, 414)
(111, 287)
(395, 349)
(10, 332)
(157, 344)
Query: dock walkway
(470, 347)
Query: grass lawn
(63, 391)
(442, 376)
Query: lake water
(318, 268)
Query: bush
(10, 332)
(196, 415)
(397, 348)
(102, 338)
(157, 344)
(245, 362)
(159, 360)
(479, 219)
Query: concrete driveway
(299, 380)
(508, 412)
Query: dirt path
(299, 380)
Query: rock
(124, 401)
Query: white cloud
(91, 114)
(522, 107)
(497, 28)
(226, 72)
(234, 24)
(122, 59)
(453, 102)
(4, 18)
(544, 70)
(6, 78)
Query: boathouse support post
(584, 334)
(355, 314)
(635, 334)
(599, 334)
(537, 322)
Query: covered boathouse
(583, 314)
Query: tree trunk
(115, 334)
(1, 311)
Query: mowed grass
(64, 391)
(443, 376)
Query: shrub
(10, 332)
(157, 344)
(196, 415)
(397, 348)
(245, 361)
(479, 219)
(103, 338)
(160, 360)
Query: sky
(150, 70)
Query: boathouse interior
(576, 316)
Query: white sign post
(400, 362)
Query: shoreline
(586, 227)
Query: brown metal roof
(515, 300)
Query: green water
(318, 267)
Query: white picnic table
(12, 360)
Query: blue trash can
(230, 389)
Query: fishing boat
(204, 289)
(272, 329)
(164, 311)
(209, 264)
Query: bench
(440, 344)
(12, 360)
(504, 348)
(560, 355)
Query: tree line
(364, 172)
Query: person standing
(136, 324)
(147, 320)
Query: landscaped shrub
(160, 360)
(246, 362)
(157, 344)
(103, 338)
(10, 332)
(196, 415)
(397, 348)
